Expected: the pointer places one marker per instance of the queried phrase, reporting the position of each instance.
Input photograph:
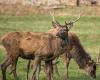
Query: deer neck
(81, 57)
(58, 46)
(61, 45)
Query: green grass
(88, 30)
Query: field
(87, 29)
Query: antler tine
(81, 13)
(77, 18)
(52, 14)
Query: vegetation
(87, 28)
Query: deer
(81, 57)
(36, 46)
(53, 31)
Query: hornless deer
(36, 47)
(53, 32)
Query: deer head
(59, 30)
(62, 29)
(92, 66)
(91, 69)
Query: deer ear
(55, 24)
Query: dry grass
(12, 9)
(18, 9)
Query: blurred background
(34, 16)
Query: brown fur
(63, 28)
(28, 45)
(78, 53)
(36, 46)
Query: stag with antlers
(78, 53)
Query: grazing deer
(78, 53)
(36, 47)
(53, 32)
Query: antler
(52, 14)
(77, 19)
(70, 23)
(73, 21)
(54, 21)
(81, 12)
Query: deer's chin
(93, 77)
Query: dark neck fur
(78, 52)
(81, 56)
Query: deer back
(39, 43)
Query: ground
(87, 29)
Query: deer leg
(13, 67)
(52, 71)
(48, 69)
(28, 68)
(66, 63)
(4, 66)
(35, 65)
(39, 69)
(56, 69)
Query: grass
(88, 30)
